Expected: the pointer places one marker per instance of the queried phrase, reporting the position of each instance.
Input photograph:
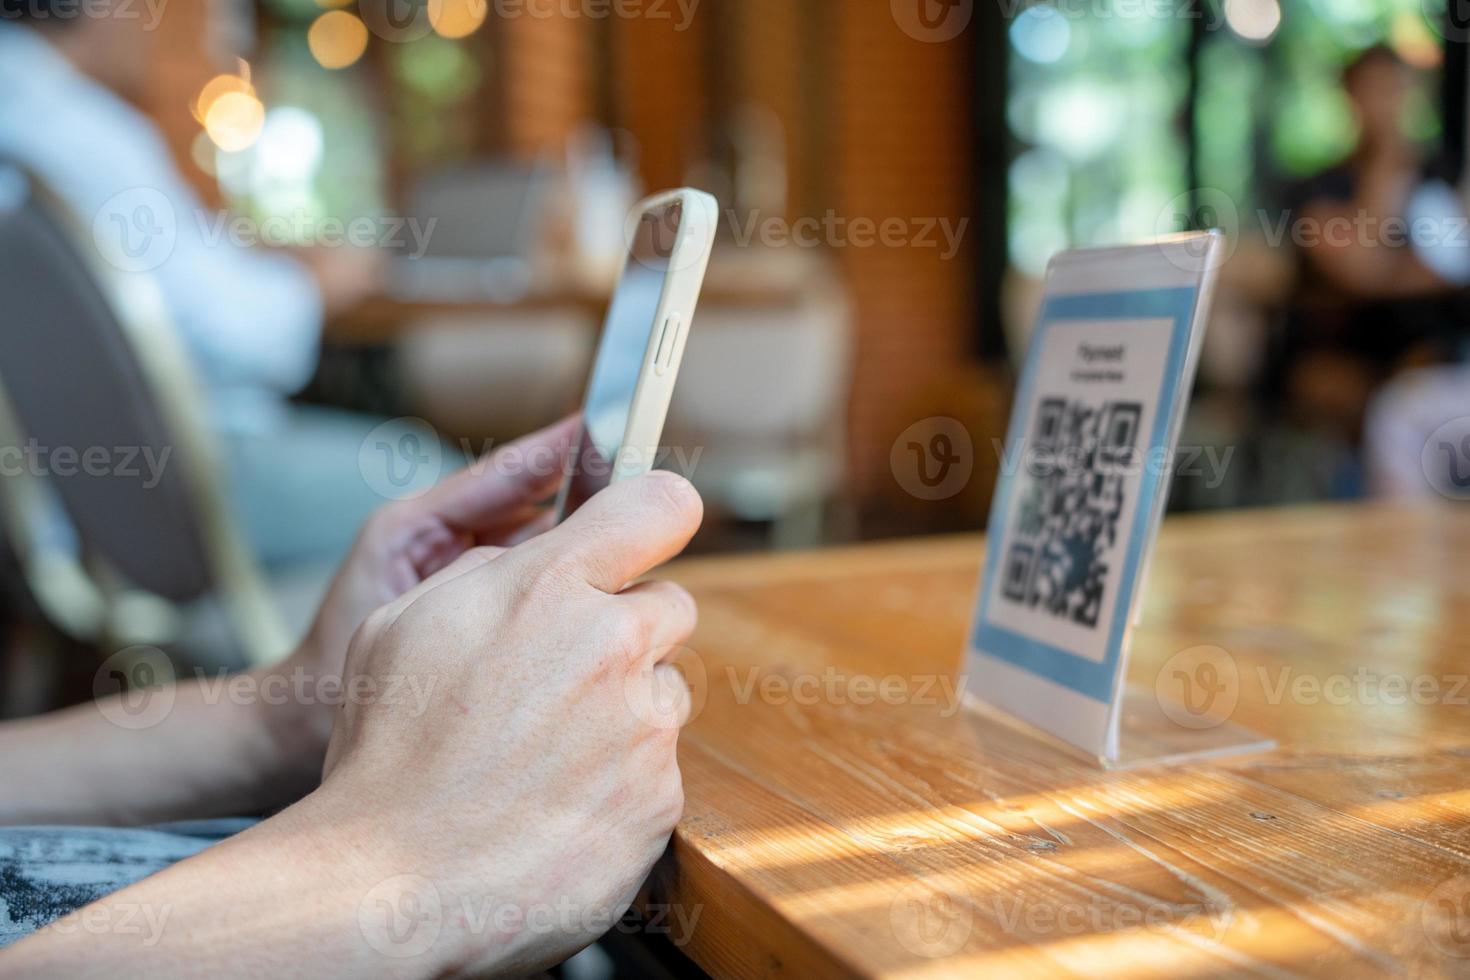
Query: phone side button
(668, 340)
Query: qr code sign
(1065, 535)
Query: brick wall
(660, 92)
(547, 80)
(898, 111)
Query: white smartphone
(670, 236)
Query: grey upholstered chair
(89, 364)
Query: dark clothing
(48, 872)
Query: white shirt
(250, 318)
(1414, 439)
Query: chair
(484, 225)
(761, 398)
(89, 364)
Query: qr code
(1065, 533)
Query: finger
(510, 528)
(625, 531)
(669, 611)
(659, 696)
(465, 563)
(517, 475)
(673, 694)
(536, 526)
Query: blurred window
(1102, 126)
(353, 105)
(1095, 92)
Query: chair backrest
(778, 374)
(93, 425)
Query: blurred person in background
(251, 318)
(1417, 442)
(1383, 261)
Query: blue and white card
(1084, 480)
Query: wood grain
(836, 826)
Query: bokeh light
(337, 39)
(1254, 20)
(220, 85)
(1041, 34)
(290, 147)
(233, 121)
(457, 18)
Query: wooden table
(827, 837)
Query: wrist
(295, 711)
(422, 904)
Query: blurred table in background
(745, 278)
(825, 837)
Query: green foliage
(1096, 109)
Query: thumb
(625, 531)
